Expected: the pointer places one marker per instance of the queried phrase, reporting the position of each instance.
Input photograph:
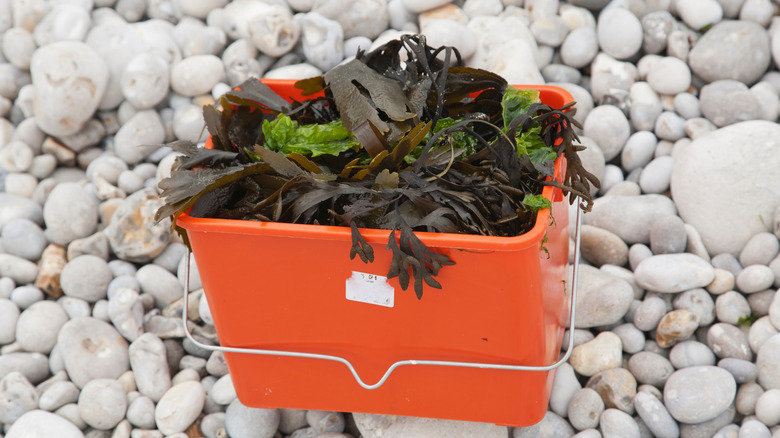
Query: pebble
(768, 363)
(768, 407)
(747, 396)
(602, 353)
(138, 136)
(675, 326)
(57, 395)
(188, 123)
(602, 247)
(145, 80)
(585, 408)
(41, 424)
(615, 423)
(38, 325)
(724, 281)
(133, 240)
(637, 214)
(650, 368)
(140, 413)
(223, 392)
(95, 245)
(18, 396)
(69, 213)
(667, 235)
(617, 388)
(760, 332)
(70, 79)
(92, 349)
(14, 207)
(23, 238)
(196, 75)
(741, 104)
(755, 278)
(699, 302)
(760, 302)
(126, 312)
(550, 425)
(690, 354)
(671, 273)
(619, 33)
(700, 393)
(669, 75)
(649, 313)
(743, 371)
(179, 407)
(243, 422)
(102, 403)
(34, 366)
(9, 315)
(632, 339)
(638, 150)
(86, 277)
(579, 47)
(656, 27)
(713, 57)
(655, 416)
(603, 298)
(147, 355)
(732, 306)
(727, 340)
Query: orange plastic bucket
(292, 287)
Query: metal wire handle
(572, 311)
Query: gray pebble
(144, 81)
(74, 307)
(650, 368)
(687, 105)
(728, 262)
(121, 267)
(149, 364)
(223, 392)
(601, 247)
(96, 244)
(106, 166)
(727, 101)
(38, 423)
(649, 313)
(184, 81)
(130, 182)
(34, 366)
(636, 253)
(690, 354)
(630, 217)
(21, 271)
(760, 331)
(619, 33)
(26, 296)
(160, 283)
(102, 403)
(126, 313)
(743, 371)
(755, 278)
(216, 365)
(655, 416)
(565, 385)
(700, 393)
(754, 429)
(38, 325)
(669, 126)
(24, 238)
(213, 425)
(617, 387)
(632, 339)
(143, 128)
(17, 396)
(717, 54)
(326, 421)
(638, 150)
(551, 425)
(140, 413)
(768, 362)
(603, 298)
(760, 302)
(747, 397)
(656, 27)
(122, 282)
(667, 235)
(615, 423)
(194, 363)
(608, 126)
(585, 408)
(732, 307)
(92, 349)
(57, 395)
(699, 302)
(194, 276)
(726, 340)
(70, 213)
(9, 314)
(673, 273)
(580, 47)
(768, 407)
(86, 277)
(179, 407)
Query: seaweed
(405, 143)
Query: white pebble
(196, 75)
(700, 13)
(656, 176)
(102, 403)
(619, 32)
(179, 407)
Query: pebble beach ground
(678, 325)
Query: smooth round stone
(687, 105)
(757, 11)
(123, 281)
(602, 353)
(755, 278)
(160, 283)
(718, 54)
(326, 421)
(656, 176)
(667, 235)
(654, 414)
(603, 298)
(195, 38)
(140, 413)
(619, 33)
(726, 340)
(698, 127)
(179, 407)
(768, 363)
(579, 47)
(638, 150)
(611, 80)
(188, 123)
(760, 332)
(194, 273)
(9, 315)
(760, 302)
(92, 349)
(212, 425)
(102, 403)
(671, 273)
(24, 238)
(144, 81)
(126, 313)
(451, 33)
(650, 368)
(70, 213)
(700, 393)
(20, 270)
(107, 167)
(70, 79)
(608, 126)
(617, 423)
(26, 296)
(86, 277)
(352, 45)
(18, 396)
(243, 422)
(53, 28)
(767, 96)
(565, 385)
(753, 428)
(699, 302)
(601, 247)
(649, 313)
(612, 176)
(42, 424)
(366, 18)
(14, 207)
(144, 128)
(728, 262)
(148, 361)
(617, 388)
(675, 326)
(768, 407)
(731, 307)
(656, 27)
(632, 339)
(38, 325)
(196, 75)
(743, 371)
(130, 182)
(561, 73)
(273, 32)
(137, 240)
(585, 408)
(670, 126)
(223, 392)
(690, 354)
(728, 101)
(630, 217)
(698, 14)
(42, 166)
(16, 156)
(57, 395)
(216, 365)
(669, 75)
(18, 47)
(747, 396)
(34, 366)
(550, 425)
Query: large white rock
(42, 424)
(727, 184)
(70, 79)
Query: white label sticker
(370, 288)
